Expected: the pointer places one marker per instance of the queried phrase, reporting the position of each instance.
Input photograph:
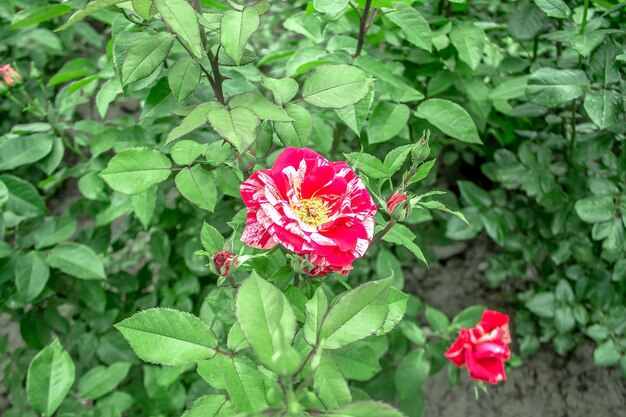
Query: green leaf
(450, 118)
(236, 28)
(387, 121)
(54, 230)
(551, 87)
(527, 22)
(564, 319)
(607, 354)
(198, 186)
(603, 63)
(357, 314)
(402, 235)
(23, 197)
(469, 317)
(330, 384)
(413, 332)
(412, 371)
(77, 260)
(357, 361)
(185, 152)
(91, 8)
(144, 8)
(383, 73)
(366, 409)
(297, 132)
(31, 275)
(315, 311)
(510, 89)
(196, 118)
(101, 380)
(604, 107)
(179, 16)
(336, 86)
(168, 337)
(184, 77)
(396, 158)
(237, 125)
(71, 70)
(542, 304)
(261, 106)
(469, 41)
(554, 8)
(134, 170)
(23, 150)
(422, 171)
(413, 25)
(50, 376)
(37, 14)
(144, 56)
(144, 204)
(474, 195)
(266, 318)
(397, 302)
(331, 7)
(355, 116)
(283, 89)
(596, 209)
(244, 383)
(211, 239)
(368, 164)
(437, 319)
(206, 406)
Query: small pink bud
(222, 261)
(10, 75)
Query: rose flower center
(313, 211)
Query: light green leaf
(144, 8)
(383, 73)
(367, 409)
(77, 260)
(297, 132)
(412, 371)
(438, 321)
(397, 302)
(388, 120)
(183, 20)
(134, 170)
(168, 337)
(283, 89)
(357, 314)
(542, 304)
(144, 204)
(198, 186)
(244, 383)
(552, 87)
(596, 209)
(554, 8)
(330, 384)
(527, 22)
(607, 354)
(211, 239)
(469, 41)
(315, 311)
(207, 406)
(368, 164)
(604, 107)
(31, 275)
(185, 152)
(450, 118)
(266, 318)
(236, 28)
(23, 198)
(331, 7)
(469, 317)
(357, 361)
(23, 150)
(101, 380)
(50, 376)
(261, 106)
(413, 25)
(510, 89)
(336, 86)
(402, 235)
(144, 56)
(196, 118)
(38, 13)
(54, 230)
(355, 116)
(184, 77)
(237, 125)
(91, 8)
(396, 158)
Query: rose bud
(10, 75)
(420, 151)
(484, 348)
(398, 206)
(315, 208)
(222, 261)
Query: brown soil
(546, 385)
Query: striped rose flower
(314, 208)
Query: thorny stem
(223, 353)
(219, 80)
(363, 27)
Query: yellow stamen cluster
(313, 211)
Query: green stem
(585, 11)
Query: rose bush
(315, 208)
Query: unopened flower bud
(10, 75)
(222, 261)
(420, 151)
(248, 160)
(398, 206)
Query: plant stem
(572, 141)
(382, 233)
(440, 6)
(219, 80)
(306, 360)
(585, 11)
(363, 27)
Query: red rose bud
(313, 207)
(398, 206)
(484, 348)
(9, 74)
(222, 261)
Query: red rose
(222, 261)
(313, 207)
(484, 348)
(394, 200)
